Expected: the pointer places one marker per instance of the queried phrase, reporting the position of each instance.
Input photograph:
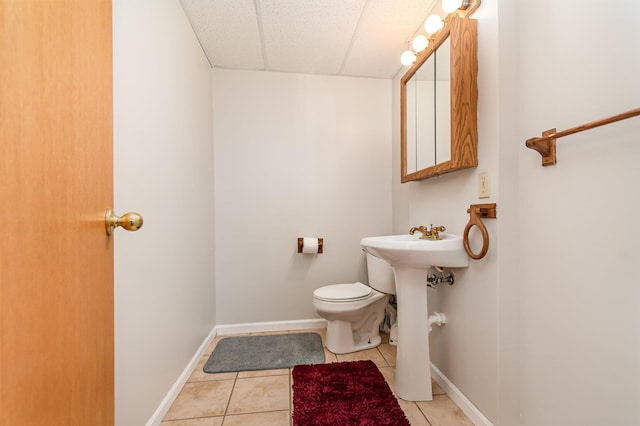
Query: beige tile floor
(264, 397)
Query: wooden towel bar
(546, 144)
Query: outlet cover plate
(484, 190)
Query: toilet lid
(343, 292)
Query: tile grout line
(226, 408)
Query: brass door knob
(129, 221)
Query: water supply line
(434, 279)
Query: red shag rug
(343, 393)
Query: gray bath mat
(268, 352)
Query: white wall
(529, 339)
(163, 159)
(579, 231)
(295, 156)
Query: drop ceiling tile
(384, 33)
(308, 36)
(344, 37)
(228, 31)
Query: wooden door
(56, 262)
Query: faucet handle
(438, 228)
(433, 233)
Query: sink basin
(410, 257)
(410, 250)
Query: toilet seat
(343, 292)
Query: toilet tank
(380, 275)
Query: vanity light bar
(432, 25)
(450, 6)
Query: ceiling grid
(362, 38)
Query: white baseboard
(467, 407)
(258, 327)
(472, 412)
(164, 406)
(219, 330)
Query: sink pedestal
(413, 368)
(410, 257)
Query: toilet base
(393, 335)
(352, 325)
(341, 340)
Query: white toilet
(355, 311)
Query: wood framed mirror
(438, 104)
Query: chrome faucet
(428, 234)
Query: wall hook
(477, 212)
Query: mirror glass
(443, 102)
(439, 104)
(429, 112)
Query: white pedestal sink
(410, 257)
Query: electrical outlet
(483, 185)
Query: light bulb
(407, 58)
(433, 24)
(450, 6)
(419, 43)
